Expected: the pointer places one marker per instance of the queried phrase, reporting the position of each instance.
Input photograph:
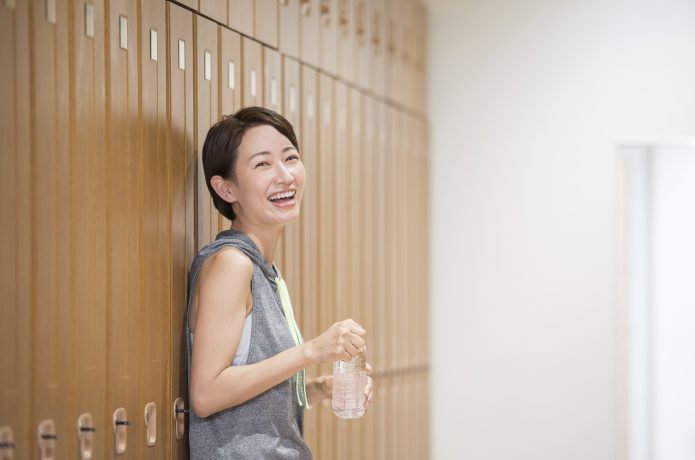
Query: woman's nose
(284, 175)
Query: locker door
(156, 253)
(124, 216)
(309, 322)
(379, 182)
(206, 62)
(342, 299)
(288, 23)
(377, 46)
(326, 240)
(346, 39)
(89, 266)
(309, 11)
(230, 70)
(182, 150)
(252, 77)
(240, 16)
(266, 22)
(292, 234)
(328, 36)
(214, 9)
(15, 248)
(393, 49)
(355, 192)
(391, 281)
(50, 194)
(272, 79)
(362, 43)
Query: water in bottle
(349, 381)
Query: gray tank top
(268, 426)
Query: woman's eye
(262, 163)
(293, 158)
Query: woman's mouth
(282, 197)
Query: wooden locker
(241, 16)
(365, 218)
(356, 238)
(309, 16)
(252, 76)
(124, 227)
(292, 235)
(392, 282)
(266, 22)
(288, 23)
(16, 258)
(181, 145)
(50, 182)
(328, 36)
(308, 316)
(362, 43)
(342, 285)
(346, 40)
(155, 242)
(394, 47)
(88, 222)
(378, 43)
(206, 77)
(215, 10)
(379, 164)
(326, 239)
(272, 79)
(230, 71)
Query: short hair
(221, 147)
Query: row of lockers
(102, 185)
(377, 45)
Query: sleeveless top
(269, 426)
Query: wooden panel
(15, 248)
(309, 14)
(155, 239)
(308, 225)
(88, 219)
(241, 16)
(379, 162)
(124, 222)
(215, 9)
(181, 146)
(266, 22)
(288, 23)
(346, 40)
(391, 281)
(206, 78)
(393, 49)
(192, 4)
(326, 253)
(252, 76)
(377, 20)
(328, 36)
(50, 182)
(342, 299)
(362, 43)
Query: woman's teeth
(282, 196)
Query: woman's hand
(368, 389)
(339, 343)
(321, 388)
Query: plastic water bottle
(349, 381)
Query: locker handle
(85, 434)
(151, 423)
(305, 7)
(120, 430)
(343, 21)
(47, 439)
(6, 443)
(179, 418)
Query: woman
(239, 311)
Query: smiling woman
(248, 389)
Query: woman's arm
(223, 290)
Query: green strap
(300, 380)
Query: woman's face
(269, 178)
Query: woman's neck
(265, 238)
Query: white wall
(527, 102)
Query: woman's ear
(223, 188)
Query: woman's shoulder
(229, 259)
